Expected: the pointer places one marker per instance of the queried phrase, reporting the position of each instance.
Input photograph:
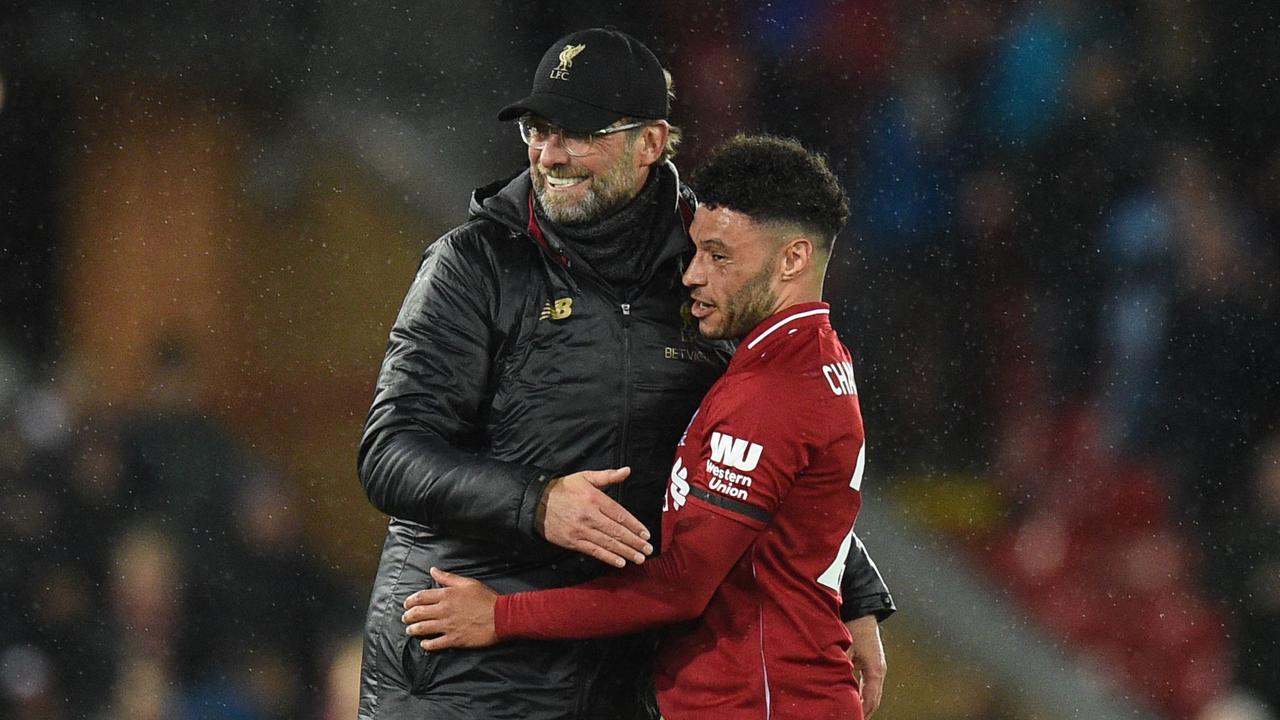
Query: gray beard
(590, 210)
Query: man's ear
(652, 141)
(797, 257)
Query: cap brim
(566, 112)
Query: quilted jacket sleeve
(417, 461)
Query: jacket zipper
(624, 431)
(626, 387)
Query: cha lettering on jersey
(840, 378)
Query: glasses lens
(576, 144)
(537, 134)
(530, 133)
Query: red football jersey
(758, 521)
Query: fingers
(581, 517)
(634, 529)
(609, 549)
(424, 628)
(423, 597)
(444, 642)
(872, 691)
(601, 478)
(422, 612)
(630, 531)
(457, 614)
(867, 654)
(621, 526)
(448, 579)
(427, 618)
(434, 595)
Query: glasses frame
(569, 139)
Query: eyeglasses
(537, 133)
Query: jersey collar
(786, 319)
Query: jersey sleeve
(673, 587)
(751, 452)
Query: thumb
(600, 478)
(448, 579)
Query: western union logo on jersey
(558, 310)
(729, 450)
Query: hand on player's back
(457, 614)
(576, 514)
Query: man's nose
(692, 276)
(553, 153)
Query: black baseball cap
(590, 78)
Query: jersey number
(835, 572)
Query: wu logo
(729, 450)
(561, 71)
(679, 490)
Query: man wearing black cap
(548, 333)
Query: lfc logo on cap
(561, 71)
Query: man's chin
(711, 331)
(567, 213)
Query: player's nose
(693, 275)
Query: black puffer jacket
(510, 364)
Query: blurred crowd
(1060, 282)
(154, 569)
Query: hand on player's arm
(459, 613)
(869, 667)
(575, 514)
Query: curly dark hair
(774, 180)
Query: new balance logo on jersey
(678, 490)
(840, 378)
(729, 450)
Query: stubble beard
(607, 193)
(754, 302)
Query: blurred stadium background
(1060, 282)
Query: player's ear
(652, 141)
(797, 257)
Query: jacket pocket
(419, 666)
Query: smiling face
(582, 190)
(734, 278)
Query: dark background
(1059, 283)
